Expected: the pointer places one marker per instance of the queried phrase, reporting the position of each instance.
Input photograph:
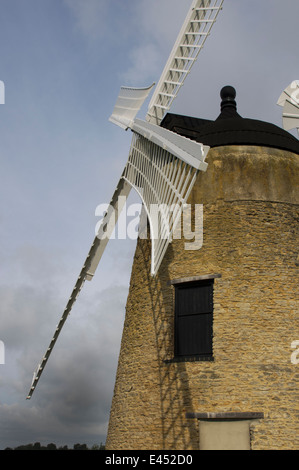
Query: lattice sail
(289, 100)
(93, 258)
(128, 103)
(190, 41)
(164, 183)
(162, 166)
(163, 179)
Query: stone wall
(250, 206)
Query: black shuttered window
(194, 319)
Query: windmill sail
(190, 41)
(162, 169)
(162, 166)
(289, 100)
(128, 104)
(87, 272)
(164, 187)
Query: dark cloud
(73, 397)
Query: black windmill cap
(229, 128)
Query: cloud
(73, 397)
(145, 62)
(154, 37)
(91, 17)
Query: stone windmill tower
(207, 340)
(205, 359)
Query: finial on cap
(228, 95)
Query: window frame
(189, 282)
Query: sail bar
(194, 32)
(93, 258)
(187, 150)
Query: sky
(62, 63)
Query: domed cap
(230, 128)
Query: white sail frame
(190, 41)
(161, 178)
(289, 101)
(173, 160)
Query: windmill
(162, 166)
(289, 100)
